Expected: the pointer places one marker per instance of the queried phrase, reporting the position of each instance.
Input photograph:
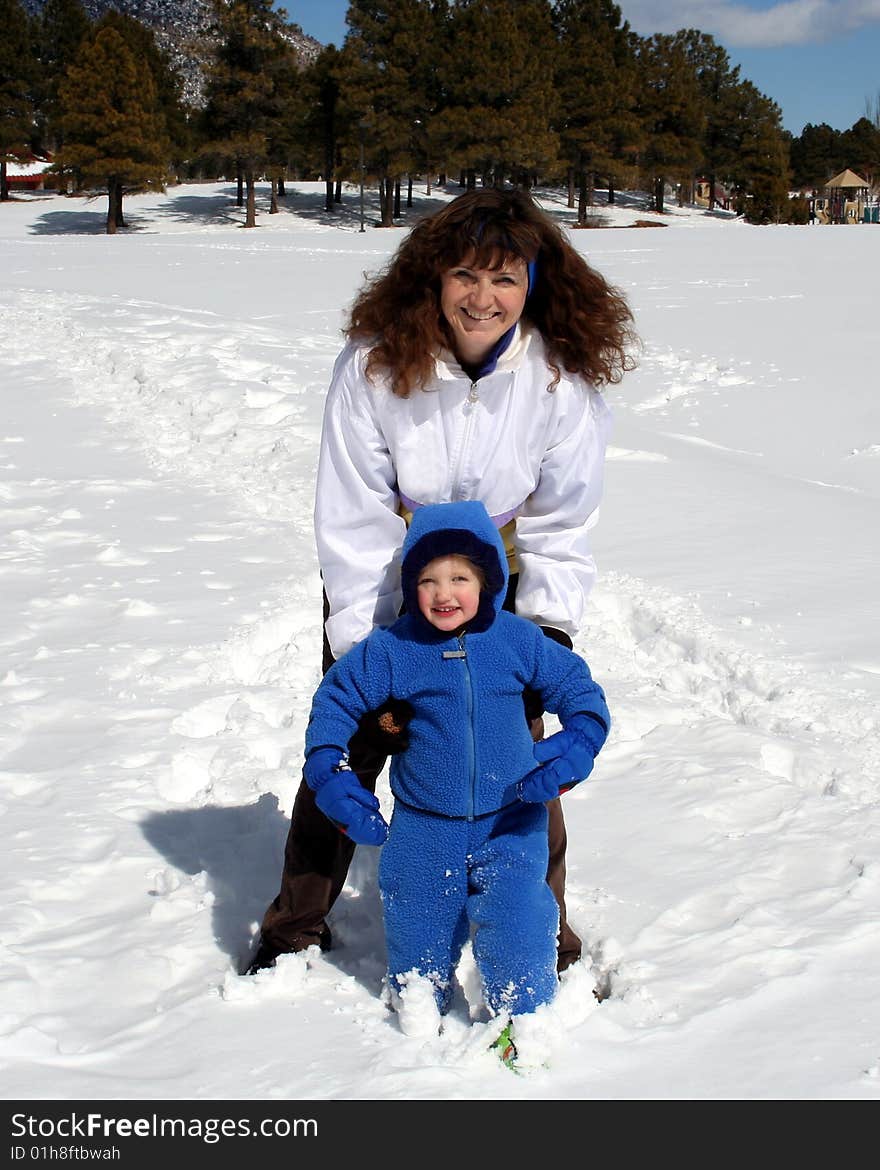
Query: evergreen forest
(475, 91)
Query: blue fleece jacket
(469, 743)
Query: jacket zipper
(470, 402)
(461, 653)
(471, 741)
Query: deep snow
(160, 636)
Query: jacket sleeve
(566, 684)
(556, 566)
(358, 531)
(358, 682)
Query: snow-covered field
(160, 640)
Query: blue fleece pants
(439, 877)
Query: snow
(22, 169)
(160, 636)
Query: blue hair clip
(532, 269)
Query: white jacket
(526, 452)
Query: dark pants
(317, 856)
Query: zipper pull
(473, 396)
(460, 652)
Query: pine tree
(384, 77)
(434, 67)
(17, 79)
(168, 84)
(501, 103)
(428, 74)
(816, 155)
(860, 146)
(243, 94)
(762, 161)
(718, 86)
(113, 132)
(319, 128)
(62, 27)
(595, 83)
(283, 127)
(671, 112)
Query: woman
(471, 371)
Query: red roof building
(29, 175)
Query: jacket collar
(448, 369)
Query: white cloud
(795, 22)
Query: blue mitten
(322, 765)
(566, 758)
(590, 731)
(354, 810)
(342, 798)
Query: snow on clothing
(439, 876)
(525, 451)
(463, 849)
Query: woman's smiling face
(481, 304)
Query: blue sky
(819, 60)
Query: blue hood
(462, 529)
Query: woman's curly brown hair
(585, 322)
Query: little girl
(467, 845)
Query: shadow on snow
(240, 849)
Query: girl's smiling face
(449, 592)
(481, 304)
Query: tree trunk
(591, 188)
(386, 200)
(273, 200)
(4, 182)
(570, 187)
(337, 194)
(471, 179)
(111, 207)
(610, 190)
(282, 193)
(658, 195)
(582, 197)
(251, 214)
(396, 199)
(409, 190)
(239, 188)
(329, 156)
(120, 218)
(713, 191)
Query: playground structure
(847, 198)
